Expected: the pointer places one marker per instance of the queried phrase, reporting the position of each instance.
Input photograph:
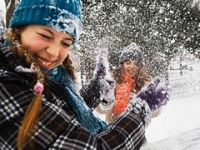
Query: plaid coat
(57, 127)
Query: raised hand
(100, 89)
(155, 94)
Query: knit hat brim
(131, 55)
(132, 52)
(59, 18)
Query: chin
(47, 67)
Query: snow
(176, 128)
(69, 21)
(102, 64)
(178, 116)
(178, 125)
(196, 3)
(186, 141)
(2, 13)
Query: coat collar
(11, 62)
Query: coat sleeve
(58, 129)
(91, 93)
(127, 133)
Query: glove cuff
(140, 108)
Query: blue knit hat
(132, 52)
(63, 15)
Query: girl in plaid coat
(38, 102)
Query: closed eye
(66, 44)
(45, 36)
(128, 62)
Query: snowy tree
(159, 27)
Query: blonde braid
(32, 113)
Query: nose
(53, 50)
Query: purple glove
(155, 94)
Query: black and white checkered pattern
(57, 127)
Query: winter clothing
(131, 52)
(102, 64)
(91, 93)
(57, 126)
(64, 15)
(122, 94)
(100, 89)
(155, 94)
(82, 112)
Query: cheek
(33, 45)
(127, 67)
(64, 53)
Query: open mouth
(44, 62)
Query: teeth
(44, 63)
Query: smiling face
(47, 46)
(131, 67)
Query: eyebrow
(66, 38)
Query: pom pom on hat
(131, 52)
(63, 15)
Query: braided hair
(32, 112)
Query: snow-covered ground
(186, 141)
(178, 126)
(178, 116)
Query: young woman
(130, 76)
(39, 108)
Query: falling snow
(168, 33)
